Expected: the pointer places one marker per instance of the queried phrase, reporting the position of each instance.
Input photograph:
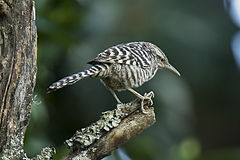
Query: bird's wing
(130, 54)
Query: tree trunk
(18, 56)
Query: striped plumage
(121, 67)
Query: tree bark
(18, 56)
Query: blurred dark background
(198, 114)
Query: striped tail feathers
(64, 82)
(69, 80)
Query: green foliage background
(197, 113)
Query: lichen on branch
(113, 129)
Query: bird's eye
(162, 59)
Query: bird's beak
(170, 67)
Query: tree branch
(113, 129)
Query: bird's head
(162, 59)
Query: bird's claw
(148, 97)
(150, 94)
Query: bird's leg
(111, 90)
(114, 95)
(145, 97)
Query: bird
(123, 67)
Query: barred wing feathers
(133, 53)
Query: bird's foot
(149, 97)
(146, 98)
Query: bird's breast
(126, 76)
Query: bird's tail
(69, 80)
